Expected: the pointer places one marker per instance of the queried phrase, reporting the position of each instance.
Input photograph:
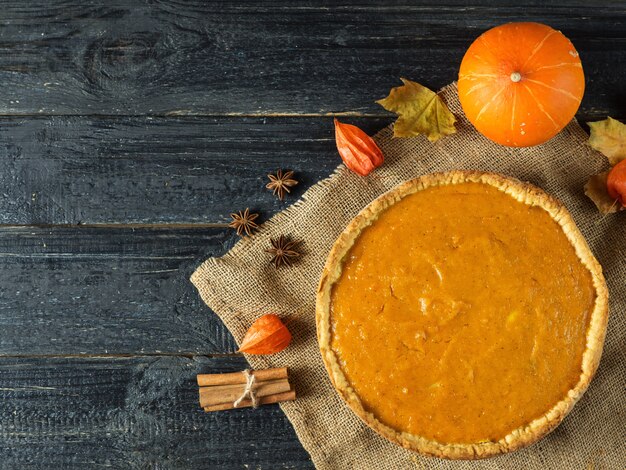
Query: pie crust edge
(520, 437)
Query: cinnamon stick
(278, 397)
(205, 380)
(220, 394)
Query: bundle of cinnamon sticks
(243, 389)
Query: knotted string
(248, 391)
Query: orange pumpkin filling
(461, 314)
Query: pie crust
(522, 436)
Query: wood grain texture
(86, 170)
(107, 291)
(268, 58)
(132, 413)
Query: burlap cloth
(242, 285)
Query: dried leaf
(595, 189)
(267, 335)
(420, 111)
(609, 138)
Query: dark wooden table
(129, 130)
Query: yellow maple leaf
(420, 111)
(609, 138)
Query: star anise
(243, 222)
(280, 183)
(283, 252)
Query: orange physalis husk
(267, 335)
(357, 149)
(616, 182)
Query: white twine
(248, 391)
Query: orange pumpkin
(521, 83)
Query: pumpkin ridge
(538, 47)
(563, 92)
(478, 86)
(513, 109)
(540, 106)
(493, 98)
(554, 66)
(480, 75)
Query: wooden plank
(107, 291)
(279, 57)
(133, 413)
(86, 170)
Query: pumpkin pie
(462, 314)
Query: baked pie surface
(462, 314)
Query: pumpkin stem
(516, 77)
